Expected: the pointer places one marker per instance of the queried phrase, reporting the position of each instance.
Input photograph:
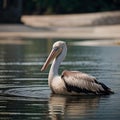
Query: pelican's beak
(54, 53)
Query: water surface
(24, 92)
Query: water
(24, 92)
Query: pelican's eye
(56, 48)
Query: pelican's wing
(79, 82)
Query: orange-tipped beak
(55, 52)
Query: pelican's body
(70, 82)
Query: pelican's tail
(107, 90)
(110, 91)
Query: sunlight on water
(97, 43)
(24, 91)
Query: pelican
(70, 82)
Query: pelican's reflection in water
(67, 107)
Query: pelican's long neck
(55, 65)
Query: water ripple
(35, 92)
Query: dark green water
(24, 92)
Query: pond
(24, 91)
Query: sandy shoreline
(64, 26)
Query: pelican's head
(57, 49)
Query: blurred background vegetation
(68, 6)
(12, 10)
